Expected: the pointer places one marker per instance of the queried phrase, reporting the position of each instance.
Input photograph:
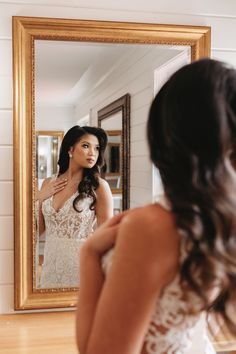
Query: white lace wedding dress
(65, 230)
(172, 330)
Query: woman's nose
(91, 151)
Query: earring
(70, 155)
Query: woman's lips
(90, 160)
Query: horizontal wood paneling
(140, 163)
(6, 200)
(6, 130)
(6, 234)
(6, 57)
(142, 179)
(6, 158)
(138, 132)
(200, 7)
(140, 196)
(220, 15)
(7, 297)
(6, 267)
(228, 56)
(5, 92)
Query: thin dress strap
(164, 202)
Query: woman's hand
(50, 188)
(104, 237)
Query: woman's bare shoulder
(152, 214)
(103, 186)
(149, 237)
(103, 182)
(151, 226)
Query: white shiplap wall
(135, 75)
(220, 15)
(46, 116)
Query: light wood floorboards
(54, 333)
(41, 333)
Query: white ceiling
(68, 71)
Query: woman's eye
(85, 145)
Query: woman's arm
(40, 196)
(90, 263)
(113, 315)
(104, 204)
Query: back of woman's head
(192, 121)
(191, 132)
(72, 137)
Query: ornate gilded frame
(58, 133)
(25, 31)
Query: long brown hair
(191, 134)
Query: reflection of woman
(170, 263)
(70, 202)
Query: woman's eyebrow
(86, 142)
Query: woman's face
(85, 152)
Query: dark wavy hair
(90, 181)
(191, 132)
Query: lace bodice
(65, 229)
(67, 222)
(172, 329)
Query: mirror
(112, 170)
(38, 41)
(115, 120)
(47, 151)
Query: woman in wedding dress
(149, 276)
(71, 203)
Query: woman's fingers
(61, 182)
(51, 188)
(59, 185)
(115, 220)
(102, 240)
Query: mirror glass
(47, 151)
(112, 171)
(115, 120)
(72, 80)
(113, 158)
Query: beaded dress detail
(65, 230)
(172, 328)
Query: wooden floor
(54, 333)
(40, 333)
(223, 341)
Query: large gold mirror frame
(26, 31)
